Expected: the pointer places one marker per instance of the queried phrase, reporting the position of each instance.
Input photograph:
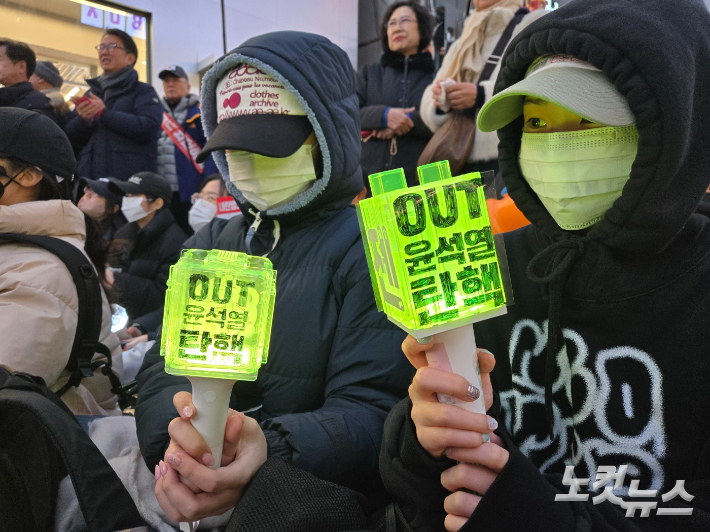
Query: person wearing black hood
(282, 119)
(597, 412)
(390, 92)
(602, 362)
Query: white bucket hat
(563, 80)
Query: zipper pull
(253, 228)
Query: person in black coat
(143, 250)
(17, 64)
(390, 93)
(118, 122)
(335, 367)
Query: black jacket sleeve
(521, 498)
(370, 115)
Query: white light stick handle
(211, 399)
(455, 351)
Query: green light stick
(433, 262)
(218, 311)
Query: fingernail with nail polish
(486, 438)
(487, 351)
(163, 468)
(207, 459)
(424, 340)
(187, 411)
(157, 473)
(174, 459)
(492, 423)
(473, 392)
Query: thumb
(410, 109)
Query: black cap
(276, 135)
(173, 70)
(146, 183)
(100, 186)
(36, 139)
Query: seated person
(143, 250)
(335, 366)
(602, 361)
(96, 200)
(204, 202)
(38, 297)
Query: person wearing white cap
(282, 118)
(601, 364)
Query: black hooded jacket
(631, 298)
(335, 366)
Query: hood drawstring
(254, 227)
(557, 260)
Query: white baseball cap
(563, 80)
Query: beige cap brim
(587, 93)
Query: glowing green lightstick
(433, 262)
(218, 311)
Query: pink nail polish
(157, 473)
(163, 467)
(207, 459)
(187, 411)
(174, 459)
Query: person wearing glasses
(390, 92)
(117, 121)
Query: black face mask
(3, 173)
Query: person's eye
(536, 123)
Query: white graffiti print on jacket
(639, 441)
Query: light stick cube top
(218, 311)
(430, 250)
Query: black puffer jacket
(24, 96)
(145, 256)
(394, 82)
(335, 366)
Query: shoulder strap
(88, 327)
(495, 57)
(104, 501)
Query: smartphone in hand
(76, 100)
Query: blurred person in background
(180, 142)
(47, 80)
(204, 202)
(390, 92)
(17, 64)
(118, 119)
(95, 199)
(143, 250)
(463, 64)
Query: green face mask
(578, 174)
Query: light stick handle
(455, 351)
(211, 399)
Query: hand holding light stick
(433, 263)
(218, 311)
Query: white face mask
(201, 213)
(132, 208)
(270, 181)
(578, 174)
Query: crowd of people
(599, 363)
